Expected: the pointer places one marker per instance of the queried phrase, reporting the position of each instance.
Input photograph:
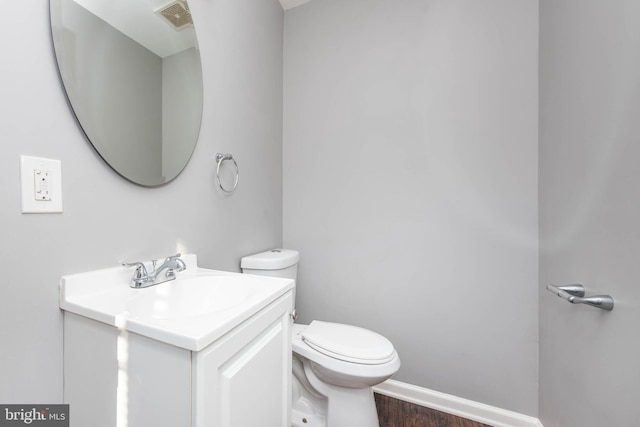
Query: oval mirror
(131, 70)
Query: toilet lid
(348, 343)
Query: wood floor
(397, 413)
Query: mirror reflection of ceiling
(290, 4)
(138, 20)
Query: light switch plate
(41, 182)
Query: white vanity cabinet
(244, 379)
(114, 377)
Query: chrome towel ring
(220, 158)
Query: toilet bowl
(334, 365)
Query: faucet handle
(179, 264)
(172, 257)
(141, 270)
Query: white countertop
(191, 312)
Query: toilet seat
(337, 371)
(348, 343)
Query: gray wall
(589, 205)
(106, 219)
(410, 187)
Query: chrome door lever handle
(604, 302)
(575, 295)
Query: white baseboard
(453, 405)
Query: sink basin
(191, 297)
(191, 312)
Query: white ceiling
(289, 4)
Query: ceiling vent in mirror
(176, 14)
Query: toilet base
(346, 407)
(300, 419)
(353, 411)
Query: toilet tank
(274, 263)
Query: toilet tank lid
(275, 259)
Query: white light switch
(41, 181)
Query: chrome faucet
(142, 278)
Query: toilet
(334, 365)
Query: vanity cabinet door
(115, 378)
(244, 379)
